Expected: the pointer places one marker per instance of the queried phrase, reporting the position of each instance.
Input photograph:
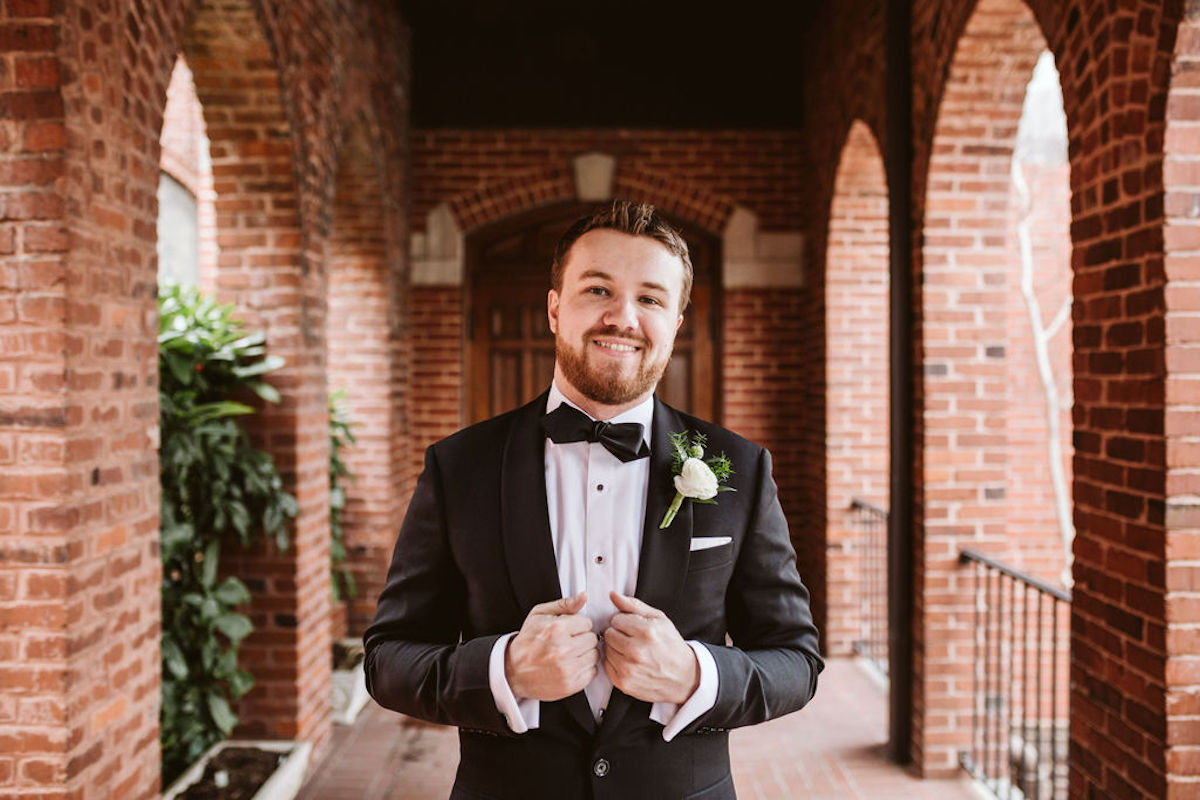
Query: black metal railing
(1020, 698)
(870, 522)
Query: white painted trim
(595, 173)
(437, 252)
(755, 259)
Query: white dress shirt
(597, 507)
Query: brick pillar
(1169, 645)
(270, 272)
(856, 285)
(361, 335)
(79, 567)
(965, 294)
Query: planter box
(349, 689)
(284, 784)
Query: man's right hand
(555, 653)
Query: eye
(597, 290)
(652, 301)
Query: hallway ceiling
(623, 63)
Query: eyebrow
(595, 273)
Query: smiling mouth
(616, 347)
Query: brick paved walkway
(832, 750)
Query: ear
(678, 322)
(552, 310)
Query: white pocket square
(705, 542)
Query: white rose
(696, 480)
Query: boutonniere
(696, 478)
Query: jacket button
(600, 768)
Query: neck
(594, 409)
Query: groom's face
(615, 318)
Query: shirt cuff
(521, 714)
(674, 717)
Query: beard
(609, 386)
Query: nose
(622, 313)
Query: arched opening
(996, 379)
(187, 245)
(856, 308)
(510, 350)
(258, 266)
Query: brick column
(1174, 623)
(362, 330)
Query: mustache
(612, 330)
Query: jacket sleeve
(772, 666)
(416, 661)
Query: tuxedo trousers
(632, 764)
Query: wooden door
(511, 349)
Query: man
(533, 599)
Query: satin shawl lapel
(525, 525)
(662, 566)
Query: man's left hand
(645, 657)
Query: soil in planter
(246, 768)
(347, 656)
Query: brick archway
(527, 191)
(857, 332)
(263, 271)
(966, 283)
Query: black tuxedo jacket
(474, 555)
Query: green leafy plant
(340, 436)
(215, 487)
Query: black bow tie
(622, 439)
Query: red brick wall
(856, 283)
(437, 391)
(697, 175)
(1181, 298)
(767, 398)
(84, 89)
(363, 329)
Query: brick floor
(832, 750)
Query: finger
(584, 659)
(581, 645)
(629, 624)
(564, 605)
(631, 605)
(613, 671)
(617, 643)
(572, 624)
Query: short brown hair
(635, 219)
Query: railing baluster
(993, 678)
(1039, 652)
(871, 523)
(1015, 701)
(1054, 706)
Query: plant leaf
(222, 715)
